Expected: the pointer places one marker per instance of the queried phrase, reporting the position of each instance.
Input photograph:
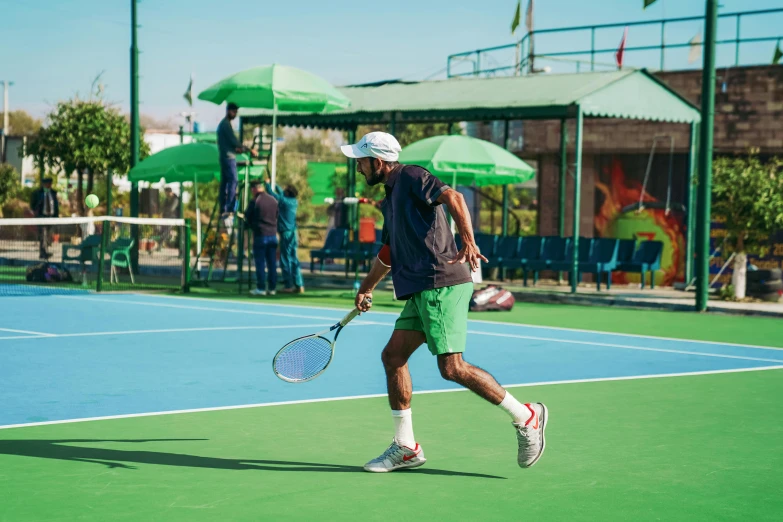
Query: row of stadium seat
(599, 256)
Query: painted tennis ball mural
(648, 224)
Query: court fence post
(101, 260)
(186, 259)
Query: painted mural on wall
(627, 209)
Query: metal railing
(525, 56)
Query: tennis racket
(307, 357)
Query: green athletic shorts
(441, 314)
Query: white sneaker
(395, 457)
(271, 292)
(530, 436)
(256, 291)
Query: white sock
(403, 428)
(518, 412)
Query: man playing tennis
(429, 272)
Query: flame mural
(649, 224)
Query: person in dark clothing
(261, 215)
(228, 147)
(289, 240)
(45, 205)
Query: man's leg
(285, 262)
(271, 263)
(260, 258)
(296, 268)
(403, 452)
(444, 315)
(231, 187)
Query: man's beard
(375, 176)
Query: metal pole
(563, 175)
(350, 192)
(134, 127)
(274, 146)
(561, 221)
(663, 45)
(6, 124)
(505, 187)
(736, 50)
(690, 216)
(592, 49)
(577, 193)
(705, 157)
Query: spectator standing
(262, 215)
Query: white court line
(522, 325)
(176, 330)
(202, 308)
(493, 334)
(39, 334)
(379, 395)
(624, 346)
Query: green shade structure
(196, 162)
(462, 160)
(279, 88)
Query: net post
(186, 259)
(101, 260)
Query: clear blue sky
(52, 51)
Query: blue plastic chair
(553, 250)
(334, 247)
(506, 251)
(647, 258)
(602, 260)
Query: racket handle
(350, 317)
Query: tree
(21, 123)
(88, 137)
(747, 195)
(9, 184)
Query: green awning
(618, 94)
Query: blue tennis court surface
(81, 356)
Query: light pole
(705, 158)
(6, 85)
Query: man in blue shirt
(289, 241)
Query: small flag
(517, 16)
(778, 54)
(620, 54)
(695, 52)
(189, 93)
(529, 17)
(648, 3)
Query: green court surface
(697, 447)
(684, 448)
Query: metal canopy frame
(349, 121)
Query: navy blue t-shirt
(417, 231)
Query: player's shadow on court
(72, 449)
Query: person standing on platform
(228, 147)
(261, 215)
(289, 238)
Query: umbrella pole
(198, 223)
(274, 145)
(451, 218)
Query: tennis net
(41, 256)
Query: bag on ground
(492, 298)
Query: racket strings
(304, 359)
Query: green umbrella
(279, 88)
(463, 160)
(196, 162)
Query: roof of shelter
(634, 94)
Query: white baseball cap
(379, 145)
